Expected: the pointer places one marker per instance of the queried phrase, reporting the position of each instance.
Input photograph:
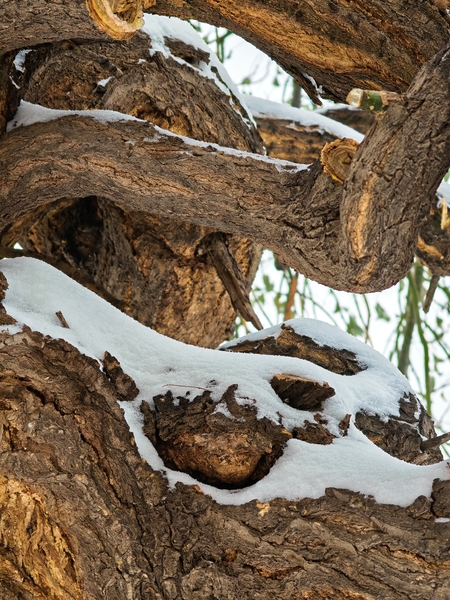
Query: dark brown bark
(28, 23)
(389, 189)
(91, 520)
(157, 270)
(81, 515)
(340, 46)
(292, 141)
(380, 45)
(396, 437)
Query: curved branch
(360, 237)
(301, 140)
(330, 47)
(341, 45)
(27, 24)
(391, 184)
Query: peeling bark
(28, 24)
(341, 45)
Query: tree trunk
(139, 213)
(83, 516)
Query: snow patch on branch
(158, 28)
(37, 292)
(19, 60)
(306, 118)
(28, 114)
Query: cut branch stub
(337, 156)
(120, 19)
(300, 393)
(221, 443)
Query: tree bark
(157, 270)
(28, 23)
(91, 520)
(381, 46)
(290, 140)
(81, 514)
(359, 237)
(338, 46)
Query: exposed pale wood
(341, 45)
(28, 23)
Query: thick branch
(292, 140)
(296, 213)
(132, 164)
(400, 164)
(157, 272)
(376, 45)
(24, 24)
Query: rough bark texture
(83, 517)
(341, 45)
(157, 270)
(28, 23)
(396, 436)
(381, 46)
(292, 141)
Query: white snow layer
(37, 291)
(28, 114)
(159, 28)
(307, 118)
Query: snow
(307, 118)
(104, 82)
(158, 28)
(156, 363)
(28, 114)
(19, 60)
(443, 192)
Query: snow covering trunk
(294, 464)
(85, 516)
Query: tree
(170, 230)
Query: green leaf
(381, 313)
(353, 328)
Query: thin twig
(430, 293)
